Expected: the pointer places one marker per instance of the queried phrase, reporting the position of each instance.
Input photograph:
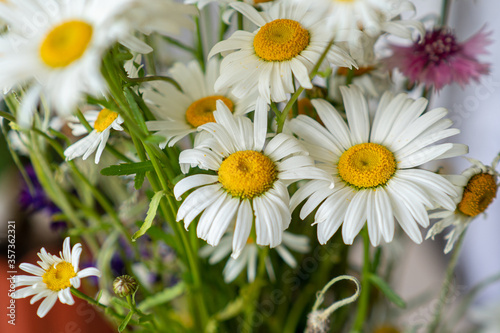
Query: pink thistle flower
(439, 59)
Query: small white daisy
(374, 166)
(102, 122)
(249, 255)
(372, 17)
(252, 179)
(54, 278)
(286, 46)
(477, 187)
(180, 113)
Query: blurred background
(475, 110)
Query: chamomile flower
(180, 113)
(54, 278)
(372, 17)
(59, 51)
(374, 166)
(249, 255)
(102, 122)
(252, 179)
(287, 45)
(477, 187)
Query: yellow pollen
(58, 276)
(201, 111)
(478, 194)
(367, 165)
(66, 43)
(247, 174)
(344, 0)
(280, 40)
(104, 119)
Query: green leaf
(127, 169)
(155, 139)
(125, 321)
(163, 296)
(139, 180)
(153, 207)
(387, 290)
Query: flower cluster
(285, 138)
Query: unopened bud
(124, 285)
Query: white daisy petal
(90, 271)
(357, 114)
(189, 183)
(243, 228)
(46, 305)
(32, 269)
(355, 217)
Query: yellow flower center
(367, 165)
(104, 119)
(478, 194)
(66, 43)
(58, 276)
(201, 111)
(247, 174)
(280, 40)
(344, 0)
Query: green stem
(253, 300)
(200, 54)
(179, 44)
(445, 12)
(154, 78)
(364, 299)
(445, 289)
(7, 116)
(284, 114)
(91, 301)
(349, 77)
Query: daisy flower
(180, 113)
(54, 278)
(476, 187)
(102, 122)
(374, 166)
(249, 255)
(439, 59)
(59, 51)
(372, 17)
(287, 45)
(252, 179)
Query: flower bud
(124, 285)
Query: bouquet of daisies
(238, 149)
